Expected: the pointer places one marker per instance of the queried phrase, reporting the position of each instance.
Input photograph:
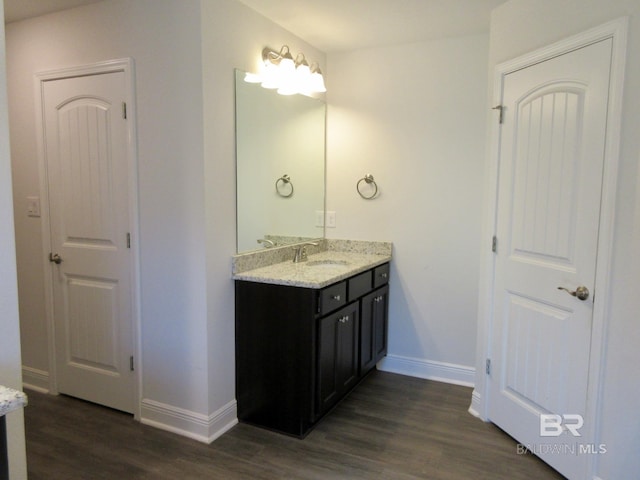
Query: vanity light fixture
(288, 75)
(317, 80)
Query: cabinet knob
(344, 319)
(384, 275)
(336, 298)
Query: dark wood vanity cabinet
(338, 362)
(373, 328)
(299, 351)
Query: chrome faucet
(266, 243)
(301, 252)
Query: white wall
(414, 116)
(233, 36)
(163, 37)
(10, 375)
(518, 27)
(185, 53)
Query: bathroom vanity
(10, 400)
(306, 334)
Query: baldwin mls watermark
(553, 426)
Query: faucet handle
(266, 243)
(301, 251)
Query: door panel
(373, 328)
(545, 193)
(86, 172)
(91, 324)
(549, 193)
(86, 153)
(337, 355)
(539, 357)
(380, 322)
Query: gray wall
(185, 53)
(414, 116)
(163, 38)
(10, 375)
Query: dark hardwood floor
(390, 427)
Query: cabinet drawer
(359, 285)
(381, 275)
(333, 297)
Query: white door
(86, 155)
(549, 193)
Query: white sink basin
(343, 264)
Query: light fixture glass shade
(287, 75)
(287, 65)
(288, 88)
(252, 77)
(303, 78)
(288, 83)
(271, 75)
(317, 82)
(287, 72)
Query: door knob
(55, 258)
(582, 292)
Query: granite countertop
(318, 271)
(11, 400)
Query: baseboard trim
(35, 379)
(203, 428)
(430, 370)
(476, 402)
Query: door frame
(617, 31)
(127, 66)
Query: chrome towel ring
(368, 179)
(281, 183)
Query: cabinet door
(337, 369)
(374, 326)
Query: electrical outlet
(331, 219)
(319, 218)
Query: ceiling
(338, 25)
(15, 10)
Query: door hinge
(124, 110)
(501, 109)
(494, 244)
(487, 366)
(131, 365)
(128, 240)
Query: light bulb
(271, 76)
(287, 65)
(303, 78)
(252, 77)
(317, 82)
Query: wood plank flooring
(391, 427)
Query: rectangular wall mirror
(280, 167)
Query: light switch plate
(331, 219)
(319, 218)
(33, 206)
